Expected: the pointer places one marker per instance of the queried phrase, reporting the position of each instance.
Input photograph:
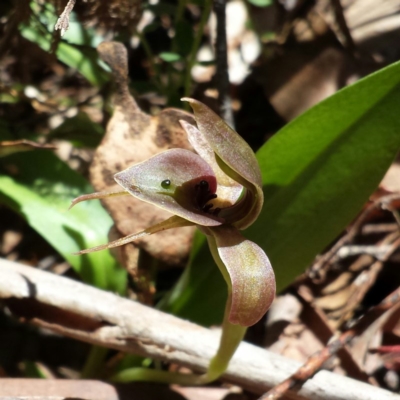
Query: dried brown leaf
(133, 136)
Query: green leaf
(261, 3)
(318, 171)
(32, 369)
(83, 59)
(40, 187)
(169, 57)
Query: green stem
(154, 375)
(231, 337)
(196, 43)
(178, 18)
(94, 362)
(179, 15)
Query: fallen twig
(94, 316)
(329, 256)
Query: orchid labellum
(218, 190)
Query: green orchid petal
(235, 157)
(228, 190)
(176, 180)
(248, 272)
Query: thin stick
(222, 74)
(341, 21)
(196, 43)
(85, 313)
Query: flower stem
(94, 362)
(231, 337)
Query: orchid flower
(219, 191)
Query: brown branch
(94, 316)
(222, 74)
(329, 256)
(315, 362)
(341, 21)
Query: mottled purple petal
(173, 180)
(251, 275)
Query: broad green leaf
(79, 34)
(318, 171)
(82, 58)
(40, 187)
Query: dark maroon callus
(203, 192)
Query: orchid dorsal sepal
(173, 222)
(225, 142)
(232, 155)
(228, 189)
(247, 209)
(97, 196)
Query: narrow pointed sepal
(173, 222)
(252, 279)
(97, 196)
